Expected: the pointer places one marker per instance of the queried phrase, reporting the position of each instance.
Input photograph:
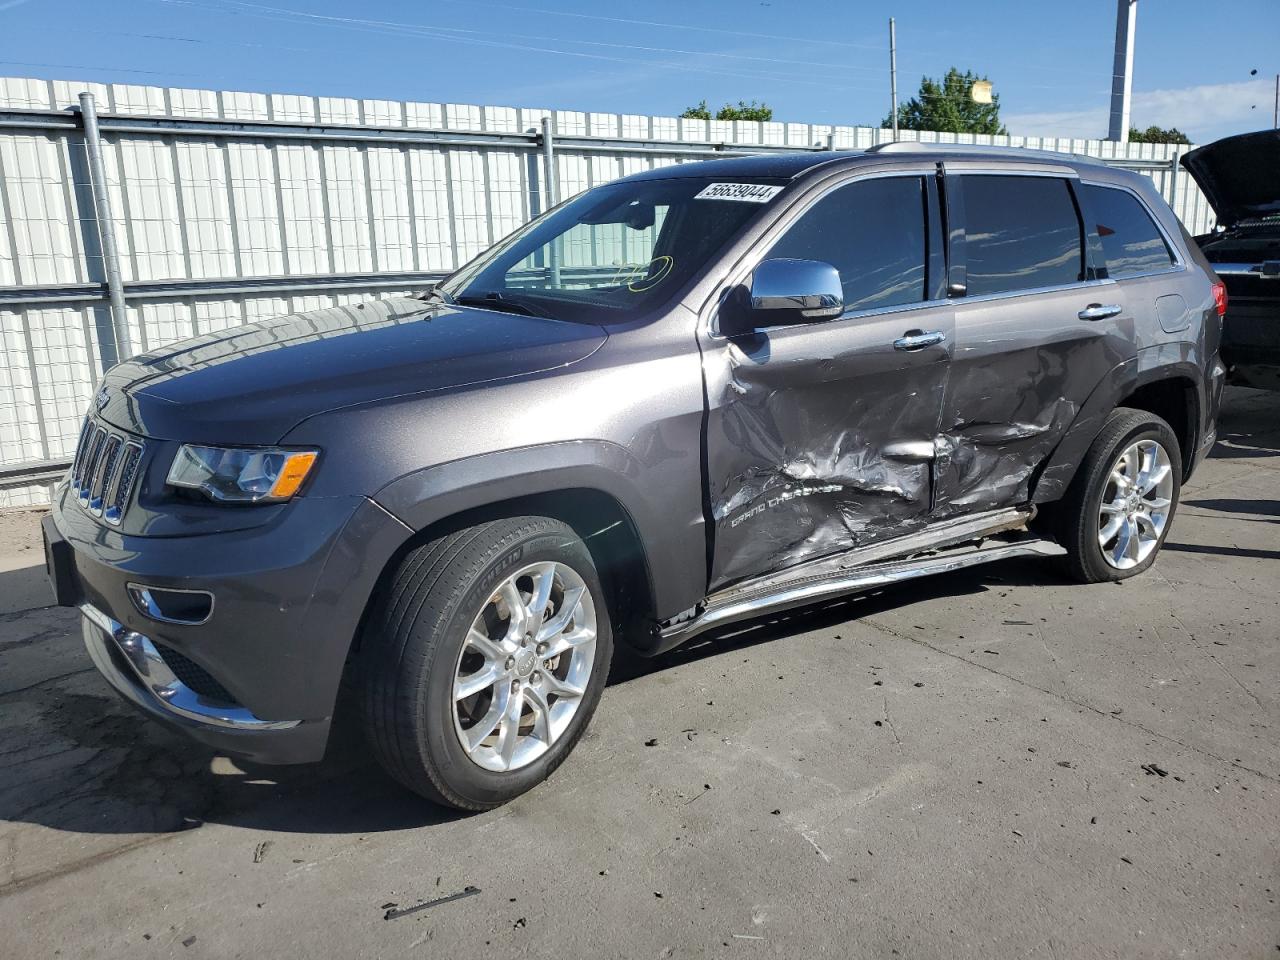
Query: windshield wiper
(493, 300)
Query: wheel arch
(1173, 391)
(1175, 400)
(586, 485)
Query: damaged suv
(687, 398)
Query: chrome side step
(739, 604)
(936, 536)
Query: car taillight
(1220, 298)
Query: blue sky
(822, 62)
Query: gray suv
(680, 400)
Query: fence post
(106, 225)
(549, 162)
(1174, 168)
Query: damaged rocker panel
(902, 558)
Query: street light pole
(893, 75)
(1122, 70)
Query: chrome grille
(104, 471)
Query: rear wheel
(1118, 511)
(486, 660)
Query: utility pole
(1122, 70)
(893, 75)
(1275, 111)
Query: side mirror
(787, 292)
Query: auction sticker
(743, 192)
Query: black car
(1240, 177)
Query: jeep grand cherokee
(693, 396)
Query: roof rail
(917, 146)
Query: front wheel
(485, 661)
(1118, 511)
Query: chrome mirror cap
(795, 291)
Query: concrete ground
(988, 764)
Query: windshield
(612, 253)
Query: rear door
(820, 436)
(1037, 328)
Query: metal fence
(234, 207)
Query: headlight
(250, 475)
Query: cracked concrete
(960, 767)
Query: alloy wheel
(524, 668)
(1135, 504)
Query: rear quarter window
(1131, 241)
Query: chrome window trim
(1033, 291)
(747, 263)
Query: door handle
(1100, 311)
(919, 339)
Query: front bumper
(259, 678)
(132, 665)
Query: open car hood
(1240, 175)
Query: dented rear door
(820, 437)
(1035, 334)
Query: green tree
(948, 107)
(1154, 134)
(743, 111)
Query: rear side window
(1020, 233)
(873, 232)
(1130, 239)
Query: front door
(1036, 331)
(820, 437)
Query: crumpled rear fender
(1159, 362)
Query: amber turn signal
(295, 470)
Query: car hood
(1240, 176)
(252, 384)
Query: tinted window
(614, 252)
(873, 232)
(1130, 239)
(1020, 233)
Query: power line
(81, 66)
(426, 32)
(669, 26)
(419, 31)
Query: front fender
(674, 551)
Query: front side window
(873, 233)
(1021, 233)
(1130, 239)
(613, 252)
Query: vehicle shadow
(75, 758)
(1249, 425)
(1253, 511)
